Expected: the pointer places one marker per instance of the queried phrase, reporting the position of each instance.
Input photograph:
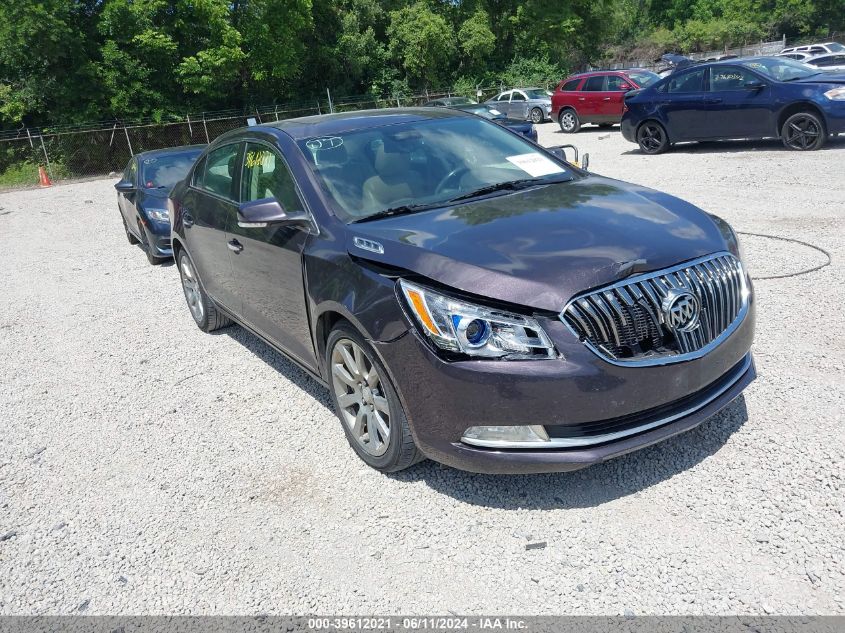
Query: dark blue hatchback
(759, 97)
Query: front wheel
(537, 115)
(569, 121)
(803, 131)
(367, 404)
(206, 315)
(652, 138)
(147, 246)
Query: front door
(613, 98)
(518, 108)
(126, 199)
(209, 207)
(735, 110)
(268, 263)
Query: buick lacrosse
(465, 295)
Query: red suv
(595, 97)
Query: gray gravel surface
(146, 467)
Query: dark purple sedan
(464, 294)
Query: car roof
(342, 122)
(155, 153)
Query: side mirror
(124, 186)
(260, 213)
(754, 84)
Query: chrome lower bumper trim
(576, 442)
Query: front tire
(129, 237)
(802, 132)
(147, 246)
(569, 121)
(537, 115)
(206, 315)
(367, 403)
(652, 138)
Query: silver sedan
(527, 104)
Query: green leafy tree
(422, 42)
(477, 41)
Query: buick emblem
(681, 310)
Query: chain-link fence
(95, 151)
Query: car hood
(539, 247)
(153, 198)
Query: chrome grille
(631, 321)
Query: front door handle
(582, 98)
(235, 246)
(606, 99)
(713, 100)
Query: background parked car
(595, 97)
(827, 63)
(450, 101)
(758, 97)
(816, 49)
(798, 57)
(142, 196)
(528, 104)
(526, 128)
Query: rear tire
(363, 395)
(206, 315)
(802, 132)
(652, 138)
(569, 121)
(537, 115)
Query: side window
(266, 175)
(505, 96)
(517, 96)
(199, 172)
(571, 85)
(221, 166)
(729, 78)
(131, 171)
(824, 61)
(688, 82)
(617, 83)
(594, 84)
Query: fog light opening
(506, 436)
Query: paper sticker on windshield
(535, 165)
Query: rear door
(209, 208)
(681, 102)
(267, 262)
(735, 110)
(565, 96)
(591, 99)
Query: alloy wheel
(802, 132)
(567, 121)
(191, 286)
(536, 115)
(361, 397)
(651, 137)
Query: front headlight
(159, 215)
(475, 330)
(836, 94)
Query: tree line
(75, 61)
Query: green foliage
(73, 61)
(19, 175)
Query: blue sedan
(758, 97)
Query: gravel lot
(146, 467)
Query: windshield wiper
(508, 185)
(804, 77)
(404, 209)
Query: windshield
(422, 162)
(644, 77)
(536, 93)
(166, 170)
(781, 68)
(488, 112)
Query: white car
(834, 62)
(798, 57)
(815, 49)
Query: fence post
(318, 107)
(128, 142)
(331, 106)
(46, 158)
(205, 127)
(190, 129)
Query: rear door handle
(235, 246)
(606, 99)
(582, 98)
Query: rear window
(162, 172)
(644, 78)
(594, 84)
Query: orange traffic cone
(43, 178)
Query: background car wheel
(569, 121)
(132, 239)
(146, 244)
(537, 115)
(367, 404)
(652, 138)
(205, 313)
(803, 131)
